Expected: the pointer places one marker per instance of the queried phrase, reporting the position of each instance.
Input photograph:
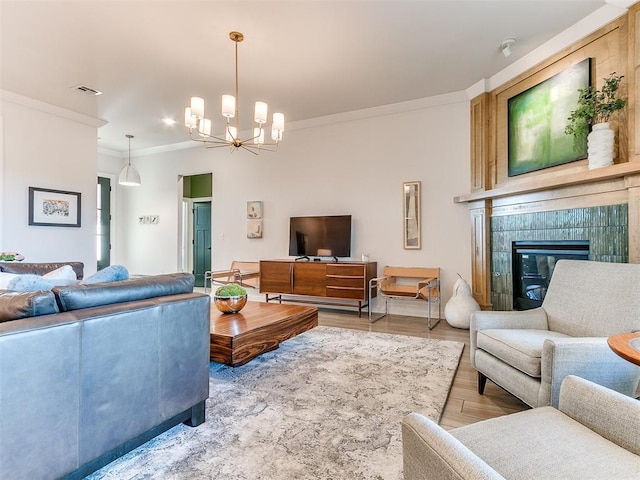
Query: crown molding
(18, 99)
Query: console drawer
(345, 270)
(353, 293)
(353, 282)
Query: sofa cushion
(65, 272)
(520, 348)
(544, 443)
(112, 273)
(5, 279)
(17, 305)
(85, 295)
(32, 283)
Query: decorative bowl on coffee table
(230, 304)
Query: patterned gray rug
(325, 405)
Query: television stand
(330, 283)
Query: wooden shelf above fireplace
(553, 180)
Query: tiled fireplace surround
(606, 228)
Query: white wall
(353, 167)
(47, 147)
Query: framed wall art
(254, 228)
(411, 215)
(537, 118)
(254, 209)
(54, 208)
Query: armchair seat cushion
(520, 348)
(548, 442)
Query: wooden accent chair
(246, 274)
(408, 283)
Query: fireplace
(532, 266)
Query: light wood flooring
(464, 405)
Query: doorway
(103, 224)
(196, 225)
(201, 240)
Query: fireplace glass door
(533, 264)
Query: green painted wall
(197, 186)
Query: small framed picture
(54, 208)
(254, 209)
(254, 228)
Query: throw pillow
(63, 273)
(5, 279)
(31, 283)
(112, 273)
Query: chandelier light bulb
(278, 121)
(261, 112)
(197, 107)
(189, 120)
(276, 134)
(228, 106)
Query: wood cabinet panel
(275, 277)
(310, 279)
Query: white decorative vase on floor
(600, 145)
(460, 306)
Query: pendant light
(129, 176)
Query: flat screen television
(326, 236)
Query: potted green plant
(594, 109)
(230, 298)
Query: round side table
(627, 345)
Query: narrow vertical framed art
(254, 219)
(411, 215)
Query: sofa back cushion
(75, 297)
(17, 305)
(40, 268)
(593, 299)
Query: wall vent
(87, 90)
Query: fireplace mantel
(553, 180)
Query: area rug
(326, 405)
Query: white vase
(600, 145)
(460, 306)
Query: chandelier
(200, 126)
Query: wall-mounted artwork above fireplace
(537, 118)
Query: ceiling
(305, 58)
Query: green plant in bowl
(230, 298)
(231, 290)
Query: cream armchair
(594, 434)
(529, 353)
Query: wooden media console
(324, 283)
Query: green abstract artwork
(537, 118)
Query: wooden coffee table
(237, 338)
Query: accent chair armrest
(535, 319)
(430, 452)
(619, 422)
(589, 358)
(377, 281)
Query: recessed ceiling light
(169, 121)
